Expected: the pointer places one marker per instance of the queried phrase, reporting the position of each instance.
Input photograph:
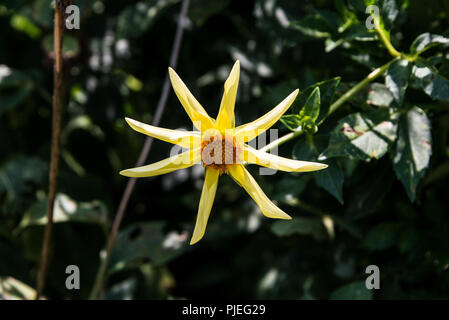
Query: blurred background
(358, 214)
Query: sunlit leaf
(303, 226)
(312, 106)
(13, 289)
(319, 25)
(327, 91)
(23, 24)
(389, 12)
(413, 149)
(362, 136)
(397, 77)
(146, 241)
(379, 95)
(428, 78)
(65, 210)
(291, 121)
(426, 41)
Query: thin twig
(368, 79)
(54, 158)
(143, 154)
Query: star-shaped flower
(221, 147)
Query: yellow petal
(193, 108)
(244, 179)
(272, 161)
(207, 199)
(249, 131)
(179, 161)
(225, 118)
(186, 139)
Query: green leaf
(389, 12)
(353, 291)
(397, 77)
(382, 236)
(312, 105)
(201, 10)
(146, 241)
(13, 289)
(430, 81)
(303, 226)
(70, 46)
(137, 18)
(379, 95)
(362, 136)
(358, 5)
(20, 176)
(327, 91)
(308, 115)
(15, 87)
(413, 149)
(331, 179)
(23, 24)
(426, 41)
(65, 210)
(291, 121)
(319, 25)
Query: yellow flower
(221, 147)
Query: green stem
(372, 76)
(385, 38)
(337, 104)
(281, 140)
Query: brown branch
(56, 133)
(97, 288)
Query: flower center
(219, 151)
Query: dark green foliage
(382, 200)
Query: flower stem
(281, 140)
(55, 145)
(334, 106)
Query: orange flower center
(219, 152)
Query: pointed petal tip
(283, 217)
(171, 72)
(321, 166)
(123, 173)
(129, 120)
(193, 241)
